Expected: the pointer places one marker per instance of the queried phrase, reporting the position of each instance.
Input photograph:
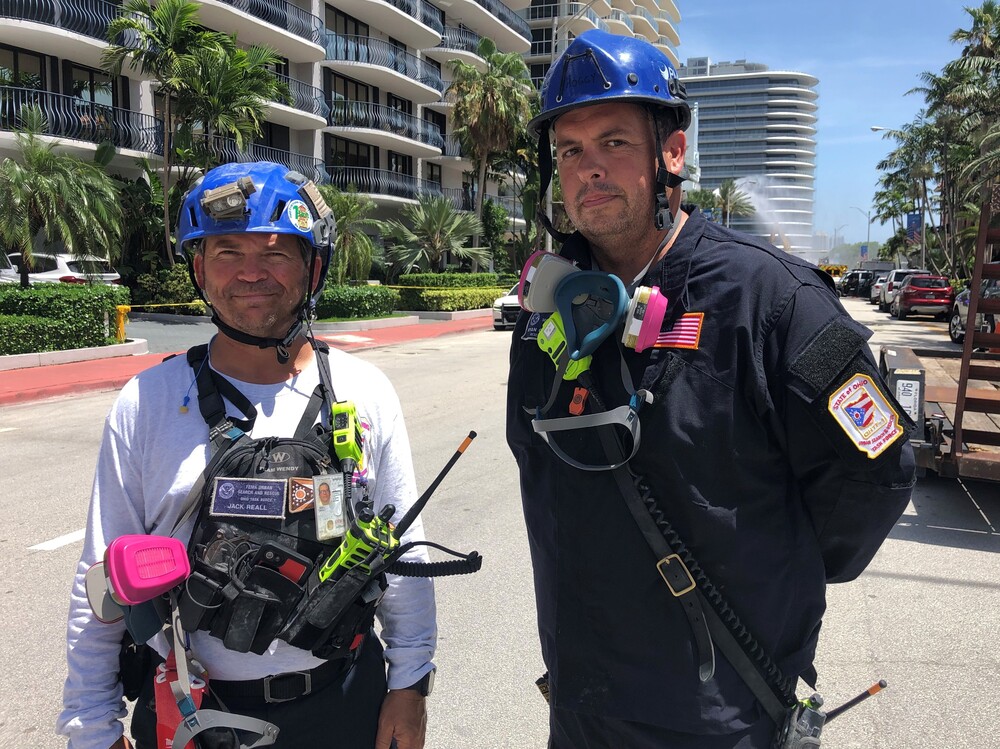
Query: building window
(343, 24)
(434, 173)
(400, 163)
(92, 86)
(21, 69)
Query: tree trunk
(166, 180)
(480, 196)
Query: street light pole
(868, 218)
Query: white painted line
(346, 338)
(55, 543)
(7, 429)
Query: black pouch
(135, 665)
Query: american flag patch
(685, 333)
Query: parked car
(856, 283)
(506, 309)
(923, 295)
(959, 319)
(67, 269)
(8, 274)
(876, 289)
(892, 281)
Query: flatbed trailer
(954, 396)
(926, 383)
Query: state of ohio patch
(865, 415)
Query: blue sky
(866, 54)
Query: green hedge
(28, 334)
(449, 300)
(357, 301)
(54, 317)
(452, 280)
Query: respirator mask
(585, 308)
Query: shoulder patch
(534, 325)
(865, 415)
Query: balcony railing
(86, 17)
(385, 119)
(304, 97)
(226, 151)
(431, 16)
(75, 119)
(463, 39)
(507, 16)
(622, 17)
(379, 52)
(284, 15)
(452, 147)
(381, 182)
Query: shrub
(29, 334)
(169, 286)
(356, 301)
(54, 317)
(450, 280)
(449, 300)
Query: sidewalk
(37, 383)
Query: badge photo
(328, 490)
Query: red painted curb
(56, 380)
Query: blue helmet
(598, 67)
(257, 197)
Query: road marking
(7, 429)
(55, 543)
(347, 338)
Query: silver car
(876, 291)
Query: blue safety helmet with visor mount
(599, 68)
(266, 198)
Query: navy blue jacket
(744, 451)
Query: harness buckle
(676, 576)
(307, 686)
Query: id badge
(328, 503)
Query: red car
(923, 295)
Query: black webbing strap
(684, 587)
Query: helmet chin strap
(279, 344)
(663, 217)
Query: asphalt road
(924, 615)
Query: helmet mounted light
(228, 202)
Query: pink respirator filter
(644, 318)
(140, 567)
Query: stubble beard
(617, 235)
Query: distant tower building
(757, 127)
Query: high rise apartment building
(367, 79)
(554, 23)
(757, 126)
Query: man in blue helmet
(288, 661)
(704, 441)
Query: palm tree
(151, 39)
(47, 194)
(226, 90)
(704, 199)
(436, 230)
(491, 107)
(732, 201)
(354, 251)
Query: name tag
(249, 498)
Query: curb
(132, 347)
